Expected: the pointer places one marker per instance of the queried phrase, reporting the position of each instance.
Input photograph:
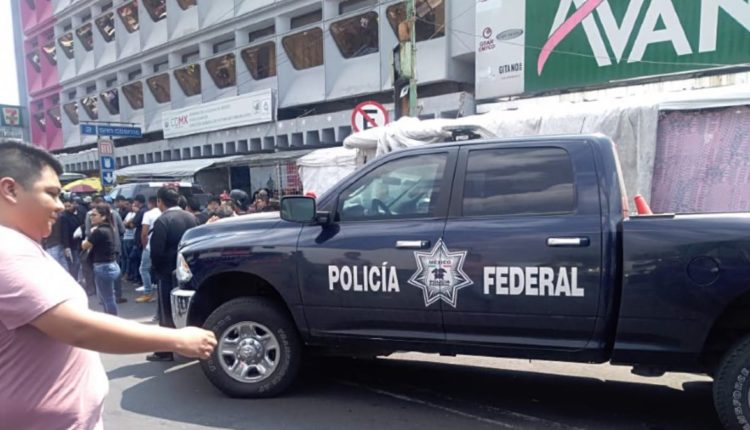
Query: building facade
(144, 61)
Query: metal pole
(411, 16)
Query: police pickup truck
(511, 248)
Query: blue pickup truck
(511, 248)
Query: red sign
(369, 114)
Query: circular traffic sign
(369, 114)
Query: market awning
(265, 159)
(170, 169)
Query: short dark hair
(120, 197)
(194, 204)
(182, 202)
(168, 196)
(214, 199)
(24, 163)
(140, 198)
(152, 200)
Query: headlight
(184, 275)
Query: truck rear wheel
(258, 352)
(732, 387)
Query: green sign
(10, 116)
(578, 43)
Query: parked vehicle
(512, 248)
(149, 189)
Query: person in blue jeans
(102, 245)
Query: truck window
(518, 181)
(405, 188)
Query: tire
(732, 387)
(258, 334)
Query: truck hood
(227, 227)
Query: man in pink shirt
(50, 375)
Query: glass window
(135, 74)
(50, 52)
(134, 94)
(191, 57)
(260, 60)
(158, 67)
(54, 116)
(259, 34)
(90, 106)
(34, 60)
(159, 86)
(405, 188)
(519, 182)
(106, 25)
(222, 70)
(129, 16)
(41, 120)
(305, 49)
(430, 18)
(90, 89)
(223, 45)
(71, 95)
(356, 36)
(189, 79)
(111, 82)
(111, 101)
(157, 9)
(66, 43)
(308, 18)
(347, 6)
(86, 36)
(187, 4)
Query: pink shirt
(44, 383)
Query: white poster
(500, 56)
(247, 109)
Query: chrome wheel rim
(249, 352)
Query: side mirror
(299, 209)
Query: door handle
(412, 244)
(567, 241)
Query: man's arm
(144, 235)
(101, 332)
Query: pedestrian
(213, 205)
(128, 239)
(50, 369)
(70, 222)
(139, 205)
(240, 201)
(101, 243)
(149, 218)
(119, 228)
(167, 233)
(53, 244)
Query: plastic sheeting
(632, 126)
(323, 168)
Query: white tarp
(323, 168)
(632, 127)
(182, 169)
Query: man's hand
(195, 342)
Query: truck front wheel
(732, 387)
(258, 352)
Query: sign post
(369, 114)
(106, 147)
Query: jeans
(146, 271)
(134, 264)
(58, 253)
(127, 246)
(105, 275)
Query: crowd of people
(102, 242)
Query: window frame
(49, 50)
(302, 34)
(133, 7)
(69, 52)
(132, 98)
(150, 8)
(149, 83)
(272, 70)
(221, 59)
(93, 114)
(113, 108)
(458, 191)
(335, 205)
(101, 24)
(187, 72)
(81, 31)
(332, 30)
(394, 24)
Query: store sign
(247, 109)
(531, 46)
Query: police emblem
(440, 274)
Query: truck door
(527, 216)
(354, 273)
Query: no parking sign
(369, 114)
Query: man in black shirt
(165, 238)
(139, 205)
(69, 223)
